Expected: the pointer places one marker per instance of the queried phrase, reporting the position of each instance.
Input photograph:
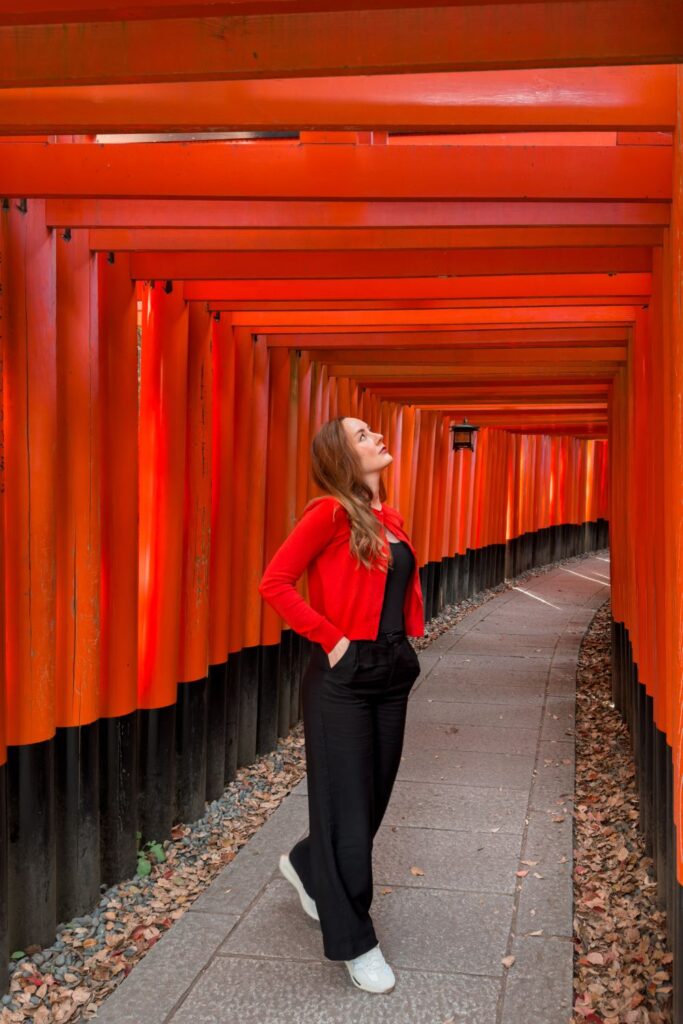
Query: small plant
(150, 854)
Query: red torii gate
(505, 280)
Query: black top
(397, 581)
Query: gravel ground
(620, 961)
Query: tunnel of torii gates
(408, 216)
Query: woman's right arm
(308, 538)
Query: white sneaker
(288, 870)
(371, 972)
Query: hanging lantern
(463, 435)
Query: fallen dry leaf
(620, 938)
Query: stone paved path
(485, 783)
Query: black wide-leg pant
(354, 721)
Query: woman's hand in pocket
(338, 651)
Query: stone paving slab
(529, 645)
(474, 861)
(547, 890)
(485, 782)
(538, 988)
(438, 930)
(449, 736)
(471, 808)
(505, 772)
(518, 627)
(559, 720)
(474, 713)
(419, 928)
(523, 693)
(488, 659)
(554, 781)
(263, 991)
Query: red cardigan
(346, 598)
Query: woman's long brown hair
(336, 469)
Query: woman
(366, 599)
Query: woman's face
(368, 445)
